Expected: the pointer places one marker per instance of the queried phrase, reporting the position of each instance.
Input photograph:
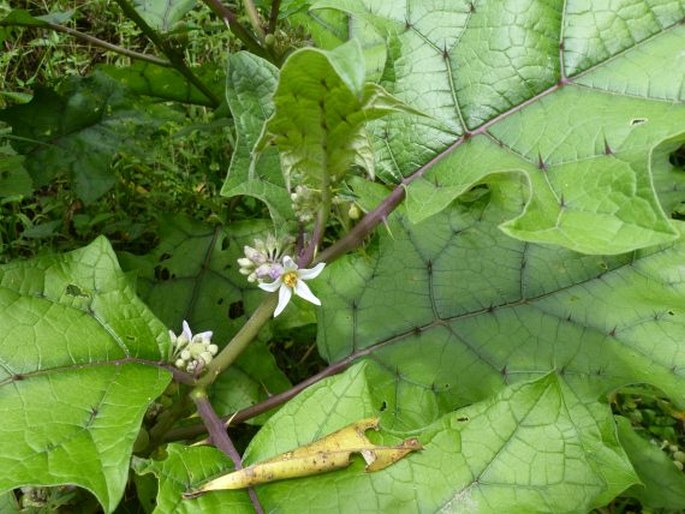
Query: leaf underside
(484, 310)
(574, 97)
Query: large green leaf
(484, 310)
(192, 275)
(73, 389)
(77, 130)
(533, 448)
(250, 85)
(186, 467)
(572, 95)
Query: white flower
(292, 279)
(179, 341)
(186, 336)
(189, 349)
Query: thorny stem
(215, 427)
(219, 437)
(272, 402)
(362, 229)
(175, 58)
(231, 21)
(95, 42)
(350, 241)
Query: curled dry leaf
(326, 454)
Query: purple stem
(272, 402)
(217, 430)
(231, 20)
(307, 254)
(273, 17)
(219, 437)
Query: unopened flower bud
(244, 262)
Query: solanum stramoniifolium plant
(515, 158)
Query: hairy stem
(240, 341)
(175, 58)
(231, 21)
(95, 42)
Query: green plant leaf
(144, 78)
(77, 130)
(192, 275)
(250, 85)
(492, 310)
(663, 485)
(532, 448)
(185, 467)
(163, 15)
(73, 388)
(329, 87)
(579, 123)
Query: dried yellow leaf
(326, 454)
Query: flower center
(290, 279)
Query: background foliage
(519, 310)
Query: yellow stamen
(290, 279)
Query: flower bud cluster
(676, 454)
(306, 203)
(263, 261)
(192, 352)
(35, 497)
